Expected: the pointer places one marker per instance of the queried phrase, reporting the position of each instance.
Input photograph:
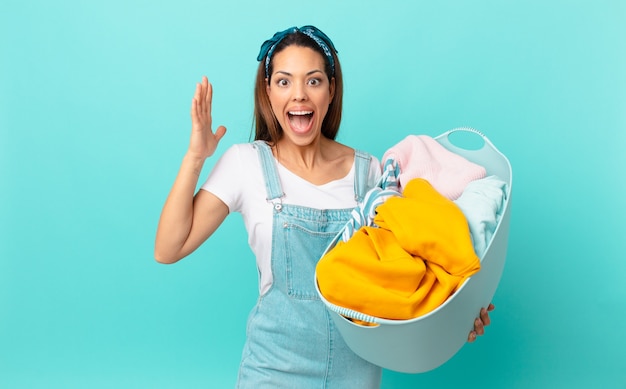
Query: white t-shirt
(237, 179)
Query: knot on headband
(323, 41)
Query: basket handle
(466, 129)
(446, 136)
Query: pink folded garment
(420, 156)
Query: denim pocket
(303, 249)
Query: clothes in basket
(400, 261)
(412, 262)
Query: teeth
(300, 113)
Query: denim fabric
(292, 342)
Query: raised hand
(203, 140)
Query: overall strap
(270, 173)
(361, 174)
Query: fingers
(471, 337)
(480, 323)
(219, 133)
(479, 329)
(202, 88)
(208, 92)
(484, 317)
(206, 97)
(201, 103)
(194, 103)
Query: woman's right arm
(187, 220)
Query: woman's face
(300, 93)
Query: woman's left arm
(480, 323)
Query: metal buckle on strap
(277, 203)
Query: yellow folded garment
(420, 254)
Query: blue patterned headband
(323, 41)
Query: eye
(282, 82)
(315, 81)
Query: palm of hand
(203, 141)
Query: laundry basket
(425, 343)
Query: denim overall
(292, 342)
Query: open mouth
(300, 121)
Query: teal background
(94, 121)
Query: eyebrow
(290, 75)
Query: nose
(299, 91)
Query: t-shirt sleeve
(226, 178)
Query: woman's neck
(301, 157)
(319, 162)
